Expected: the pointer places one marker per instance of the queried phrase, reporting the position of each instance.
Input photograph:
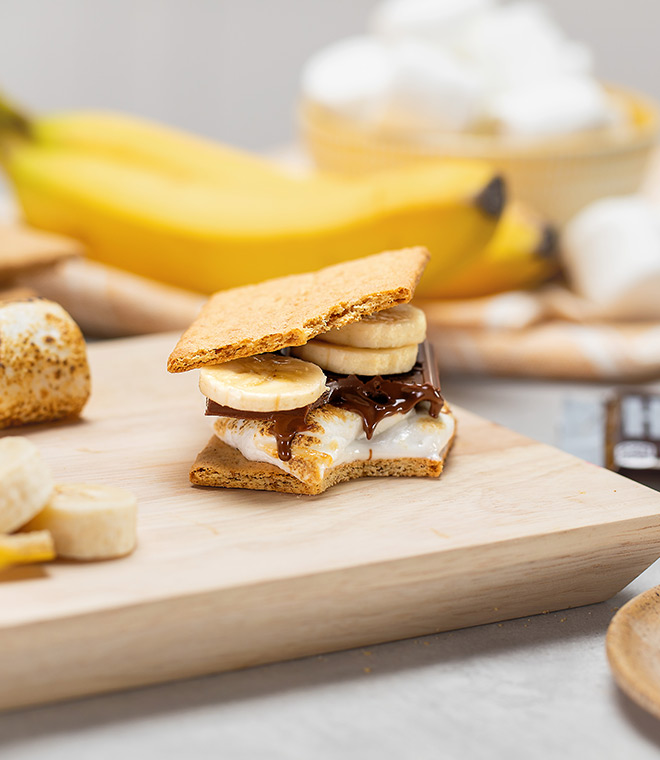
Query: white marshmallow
(611, 253)
(435, 21)
(342, 439)
(406, 85)
(520, 43)
(352, 77)
(432, 89)
(553, 107)
(453, 64)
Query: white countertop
(528, 688)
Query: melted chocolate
(377, 397)
(285, 423)
(373, 398)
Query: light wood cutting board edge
(194, 635)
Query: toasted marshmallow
(611, 254)
(553, 107)
(336, 437)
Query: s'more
(314, 379)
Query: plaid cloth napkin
(550, 333)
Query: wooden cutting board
(227, 579)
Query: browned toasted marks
(220, 465)
(289, 311)
(44, 373)
(23, 249)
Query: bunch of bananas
(192, 213)
(522, 254)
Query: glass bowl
(556, 176)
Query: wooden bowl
(633, 649)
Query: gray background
(229, 68)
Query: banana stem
(12, 120)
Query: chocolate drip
(286, 423)
(373, 398)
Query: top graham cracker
(289, 311)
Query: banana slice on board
(25, 483)
(26, 548)
(347, 360)
(399, 326)
(89, 521)
(263, 383)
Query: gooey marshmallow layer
(338, 438)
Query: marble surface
(530, 688)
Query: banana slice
(399, 326)
(26, 548)
(348, 360)
(25, 483)
(89, 521)
(263, 383)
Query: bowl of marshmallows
(454, 79)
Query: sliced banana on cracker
(399, 326)
(25, 483)
(263, 383)
(347, 360)
(89, 521)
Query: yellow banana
(139, 142)
(26, 548)
(205, 217)
(521, 254)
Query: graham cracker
(289, 311)
(222, 466)
(23, 249)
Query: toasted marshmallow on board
(553, 107)
(436, 21)
(611, 254)
(44, 374)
